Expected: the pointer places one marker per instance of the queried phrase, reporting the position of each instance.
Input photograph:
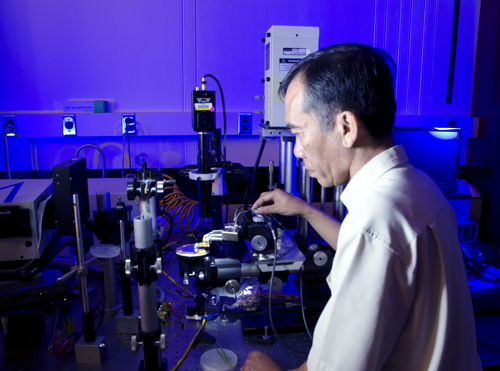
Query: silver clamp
(195, 175)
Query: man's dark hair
(348, 77)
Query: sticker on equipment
(286, 64)
(203, 106)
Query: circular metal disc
(105, 251)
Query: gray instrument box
(21, 212)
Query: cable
(271, 290)
(162, 294)
(189, 347)
(257, 161)
(98, 149)
(123, 156)
(223, 109)
(129, 156)
(171, 226)
(123, 341)
(102, 317)
(302, 307)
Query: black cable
(271, 292)
(123, 156)
(302, 307)
(257, 161)
(171, 228)
(129, 157)
(223, 109)
(225, 132)
(102, 317)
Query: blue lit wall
(146, 57)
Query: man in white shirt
(400, 299)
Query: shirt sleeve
(372, 292)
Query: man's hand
(258, 361)
(280, 202)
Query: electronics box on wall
(21, 210)
(285, 47)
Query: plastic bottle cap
(212, 361)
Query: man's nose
(298, 151)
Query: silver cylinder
(109, 277)
(306, 195)
(80, 253)
(249, 270)
(290, 168)
(103, 201)
(339, 210)
(143, 232)
(282, 161)
(147, 304)
(122, 241)
(148, 208)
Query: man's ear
(349, 126)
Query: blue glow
(445, 133)
(432, 150)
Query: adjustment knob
(259, 243)
(320, 258)
(157, 266)
(232, 286)
(131, 193)
(277, 284)
(128, 268)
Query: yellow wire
(123, 341)
(189, 347)
(170, 278)
(180, 207)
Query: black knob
(263, 39)
(68, 125)
(268, 34)
(262, 120)
(131, 191)
(262, 80)
(268, 79)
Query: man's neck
(364, 152)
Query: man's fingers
(264, 210)
(264, 197)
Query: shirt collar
(368, 174)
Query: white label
(286, 64)
(294, 51)
(202, 106)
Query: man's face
(323, 153)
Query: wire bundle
(180, 207)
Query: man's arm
(280, 202)
(258, 361)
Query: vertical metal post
(290, 168)
(282, 160)
(80, 252)
(306, 194)
(339, 210)
(126, 288)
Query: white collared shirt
(400, 299)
